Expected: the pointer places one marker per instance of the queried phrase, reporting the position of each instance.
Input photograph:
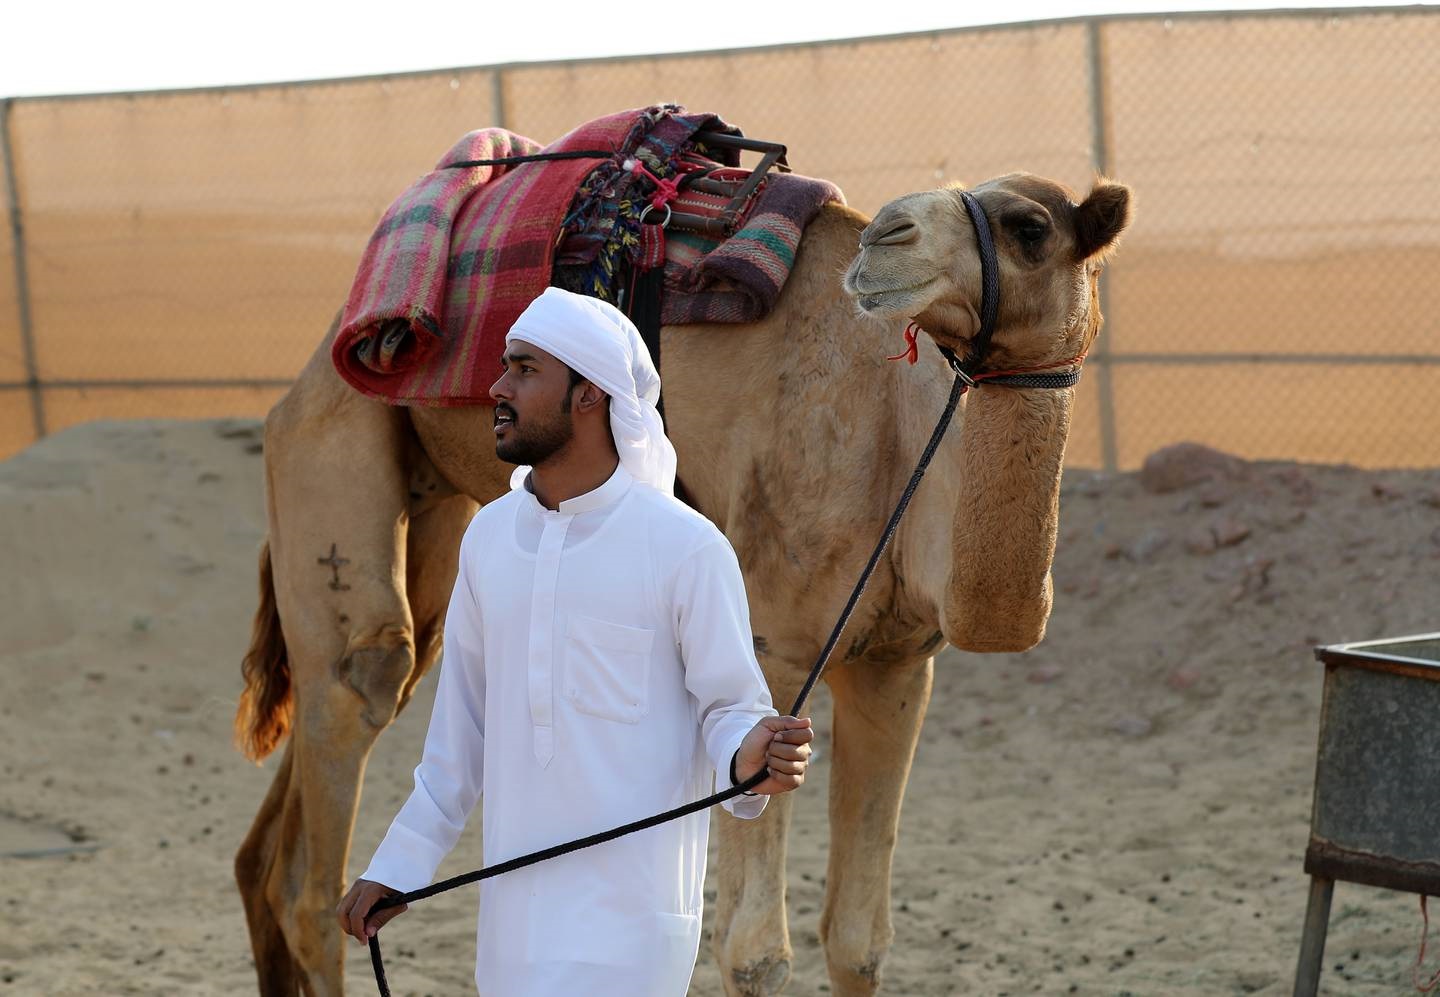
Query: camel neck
(1006, 513)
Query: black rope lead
(538, 157)
(956, 391)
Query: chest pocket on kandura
(607, 669)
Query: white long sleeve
(712, 627)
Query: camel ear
(1101, 219)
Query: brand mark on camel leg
(334, 561)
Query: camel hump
(262, 720)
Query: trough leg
(1312, 941)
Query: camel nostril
(897, 235)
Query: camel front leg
(879, 708)
(751, 940)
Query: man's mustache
(502, 408)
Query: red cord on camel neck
(912, 347)
(912, 354)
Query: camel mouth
(887, 299)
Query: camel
(795, 436)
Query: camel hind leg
(274, 966)
(337, 476)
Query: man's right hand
(354, 911)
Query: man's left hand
(780, 744)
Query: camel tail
(267, 705)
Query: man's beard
(536, 444)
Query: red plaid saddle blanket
(461, 253)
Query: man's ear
(590, 397)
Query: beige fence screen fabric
(181, 254)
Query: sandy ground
(1121, 811)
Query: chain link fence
(180, 254)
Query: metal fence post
(22, 280)
(497, 97)
(1100, 158)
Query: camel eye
(1030, 230)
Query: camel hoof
(762, 978)
(858, 980)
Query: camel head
(919, 259)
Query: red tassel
(912, 346)
(665, 190)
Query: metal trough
(1376, 814)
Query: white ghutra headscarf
(596, 340)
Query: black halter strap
(969, 368)
(1067, 377)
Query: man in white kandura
(598, 668)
